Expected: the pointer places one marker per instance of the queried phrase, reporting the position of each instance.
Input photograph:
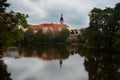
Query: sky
(75, 12)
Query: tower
(61, 19)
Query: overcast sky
(75, 12)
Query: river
(58, 62)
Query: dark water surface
(48, 62)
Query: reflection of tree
(52, 52)
(102, 66)
(28, 50)
(73, 49)
(47, 52)
(62, 51)
(4, 75)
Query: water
(48, 62)
(45, 63)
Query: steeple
(61, 19)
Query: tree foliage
(103, 30)
(38, 37)
(61, 36)
(29, 35)
(9, 25)
(48, 36)
(3, 5)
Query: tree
(116, 15)
(38, 37)
(9, 22)
(56, 35)
(102, 28)
(61, 36)
(3, 5)
(116, 39)
(18, 36)
(48, 36)
(64, 33)
(29, 35)
(94, 18)
(81, 37)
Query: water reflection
(49, 52)
(102, 65)
(59, 62)
(46, 62)
(46, 52)
(11, 52)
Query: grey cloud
(34, 1)
(76, 19)
(18, 7)
(75, 11)
(30, 78)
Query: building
(52, 26)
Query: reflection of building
(50, 26)
(12, 52)
(47, 56)
(47, 53)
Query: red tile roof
(48, 25)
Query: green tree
(103, 26)
(61, 36)
(38, 37)
(94, 18)
(48, 36)
(64, 33)
(18, 35)
(9, 22)
(81, 37)
(116, 39)
(116, 14)
(3, 5)
(56, 36)
(29, 35)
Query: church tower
(61, 19)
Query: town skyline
(75, 12)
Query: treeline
(59, 36)
(104, 29)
